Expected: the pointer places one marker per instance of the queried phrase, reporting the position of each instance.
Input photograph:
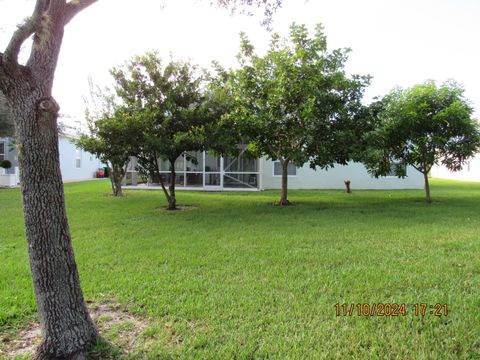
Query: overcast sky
(397, 42)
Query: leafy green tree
(172, 105)
(113, 137)
(296, 104)
(28, 91)
(222, 133)
(422, 126)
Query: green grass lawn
(239, 278)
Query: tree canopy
(422, 126)
(296, 103)
(175, 109)
(113, 136)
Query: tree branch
(6, 74)
(24, 31)
(418, 168)
(48, 34)
(74, 7)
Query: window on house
(78, 159)
(2, 151)
(277, 169)
(397, 167)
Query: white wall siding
(334, 178)
(68, 156)
(470, 171)
(10, 154)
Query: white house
(242, 173)
(470, 171)
(220, 173)
(75, 164)
(8, 177)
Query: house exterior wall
(68, 162)
(470, 171)
(10, 154)
(333, 178)
(69, 156)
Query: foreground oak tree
(66, 325)
(67, 328)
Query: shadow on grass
(361, 207)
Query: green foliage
(178, 109)
(296, 104)
(114, 135)
(169, 102)
(422, 126)
(110, 139)
(6, 164)
(223, 133)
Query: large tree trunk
(172, 200)
(67, 328)
(428, 199)
(284, 193)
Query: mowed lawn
(236, 277)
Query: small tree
(170, 104)
(113, 135)
(296, 101)
(112, 140)
(422, 126)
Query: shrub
(5, 164)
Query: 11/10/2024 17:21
(390, 309)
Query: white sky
(397, 42)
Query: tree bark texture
(67, 328)
(172, 200)
(428, 199)
(116, 177)
(170, 193)
(284, 192)
(157, 172)
(66, 325)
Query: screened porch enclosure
(209, 171)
